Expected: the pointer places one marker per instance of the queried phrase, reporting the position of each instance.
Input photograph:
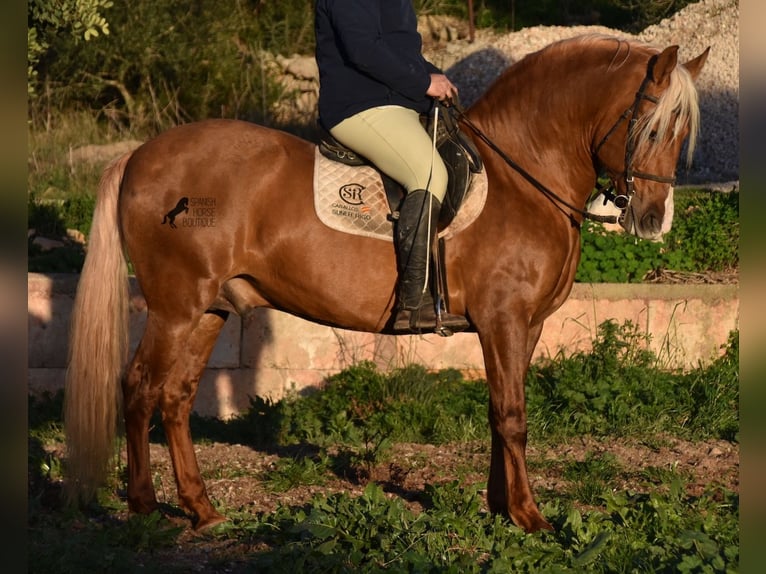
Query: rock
(47, 244)
(303, 67)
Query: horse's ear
(695, 66)
(664, 64)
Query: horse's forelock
(677, 108)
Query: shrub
(619, 389)
(705, 233)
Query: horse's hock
(271, 353)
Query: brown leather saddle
(460, 156)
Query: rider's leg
(393, 138)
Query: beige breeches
(393, 139)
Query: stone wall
(272, 353)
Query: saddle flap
(448, 130)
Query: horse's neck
(545, 141)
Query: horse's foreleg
(176, 403)
(508, 490)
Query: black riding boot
(415, 232)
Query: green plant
(54, 220)
(217, 67)
(705, 232)
(704, 237)
(612, 257)
(372, 533)
(712, 395)
(619, 389)
(591, 477)
(289, 472)
(82, 19)
(362, 405)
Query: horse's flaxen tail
(98, 346)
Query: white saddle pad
(352, 199)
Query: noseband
(622, 202)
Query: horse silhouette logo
(181, 207)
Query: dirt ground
(234, 474)
(237, 479)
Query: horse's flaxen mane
(678, 106)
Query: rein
(622, 202)
(551, 195)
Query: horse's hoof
(533, 523)
(209, 522)
(139, 507)
(537, 525)
(544, 525)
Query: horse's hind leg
(176, 402)
(141, 387)
(165, 371)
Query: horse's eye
(653, 136)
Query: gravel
(715, 23)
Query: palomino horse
(563, 114)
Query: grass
(61, 192)
(52, 175)
(619, 389)
(287, 473)
(351, 425)
(591, 477)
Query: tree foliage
(161, 62)
(80, 19)
(170, 61)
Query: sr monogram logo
(352, 193)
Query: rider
(374, 84)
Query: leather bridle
(622, 201)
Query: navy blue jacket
(369, 54)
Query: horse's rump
(250, 216)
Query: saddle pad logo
(352, 193)
(351, 204)
(351, 199)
